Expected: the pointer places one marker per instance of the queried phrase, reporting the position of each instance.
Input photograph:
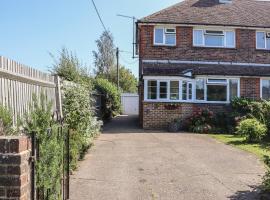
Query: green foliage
(6, 121)
(266, 178)
(49, 164)
(68, 67)
(245, 108)
(201, 121)
(127, 81)
(112, 98)
(252, 129)
(79, 115)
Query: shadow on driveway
(123, 124)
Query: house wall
(244, 52)
(250, 88)
(158, 115)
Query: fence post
(58, 97)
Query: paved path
(127, 163)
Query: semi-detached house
(202, 53)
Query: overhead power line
(100, 19)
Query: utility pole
(117, 65)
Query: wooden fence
(18, 84)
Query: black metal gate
(44, 161)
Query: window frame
(193, 83)
(214, 29)
(265, 40)
(261, 88)
(164, 36)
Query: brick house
(202, 53)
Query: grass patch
(260, 149)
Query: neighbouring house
(202, 53)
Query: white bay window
(201, 90)
(214, 38)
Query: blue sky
(30, 29)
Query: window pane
(216, 93)
(170, 39)
(197, 37)
(268, 43)
(190, 91)
(159, 35)
(266, 89)
(233, 88)
(174, 90)
(200, 89)
(184, 90)
(152, 90)
(230, 39)
(261, 40)
(163, 90)
(214, 40)
(220, 81)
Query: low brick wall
(158, 115)
(14, 168)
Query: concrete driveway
(128, 163)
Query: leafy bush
(79, 115)
(6, 121)
(201, 121)
(112, 98)
(252, 129)
(246, 108)
(266, 178)
(49, 165)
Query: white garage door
(130, 104)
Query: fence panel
(18, 83)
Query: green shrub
(49, 165)
(252, 129)
(79, 115)
(6, 122)
(266, 178)
(112, 98)
(201, 121)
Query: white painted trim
(261, 79)
(189, 81)
(164, 36)
(265, 41)
(204, 62)
(203, 29)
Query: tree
(127, 81)
(68, 66)
(104, 57)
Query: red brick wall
(158, 115)
(250, 88)
(245, 50)
(14, 168)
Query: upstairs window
(165, 36)
(263, 40)
(213, 38)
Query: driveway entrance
(127, 163)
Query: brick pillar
(14, 168)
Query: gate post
(14, 168)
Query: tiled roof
(250, 13)
(152, 69)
